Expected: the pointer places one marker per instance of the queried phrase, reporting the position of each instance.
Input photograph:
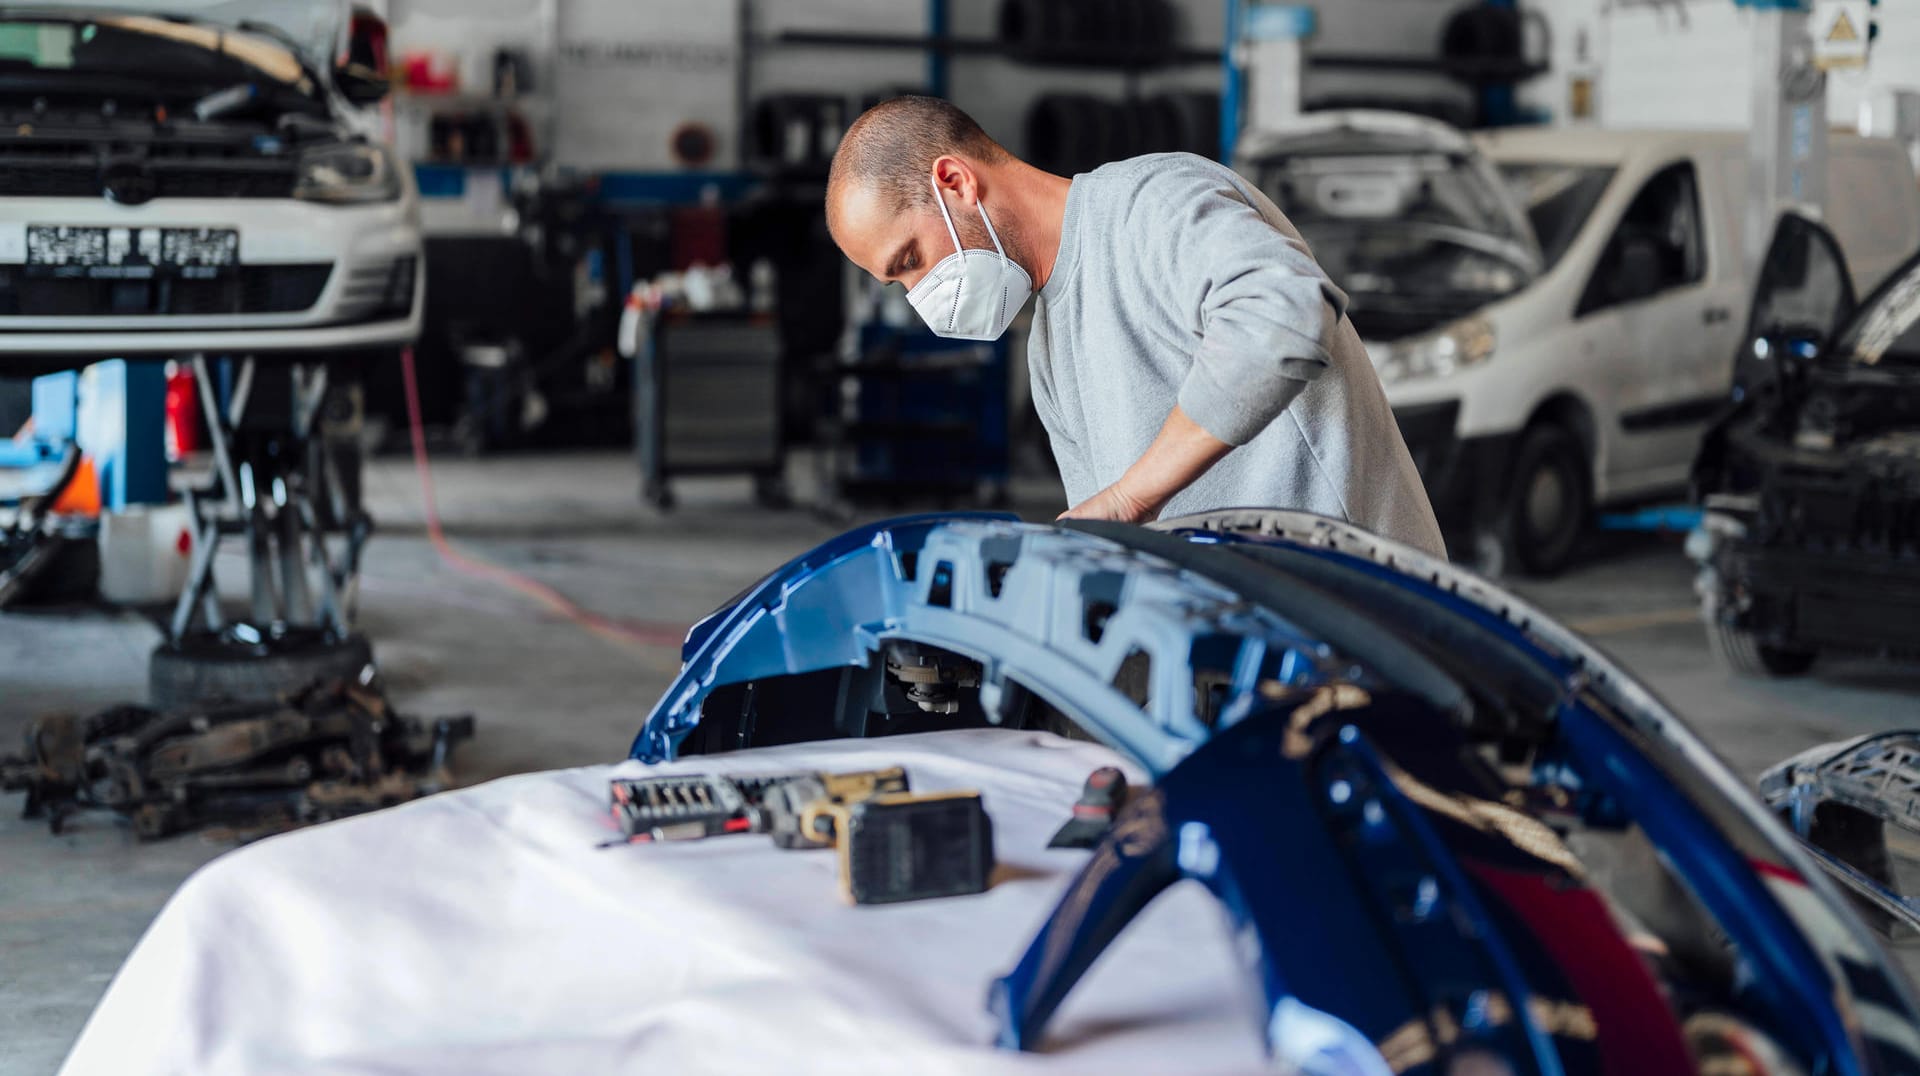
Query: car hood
(1872, 335)
(1489, 214)
(316, 26)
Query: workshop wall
(1687, 63)
(630, 72)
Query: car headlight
(1458, 345)
(351, 173)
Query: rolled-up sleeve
(1266, 311)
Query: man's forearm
(1180, 453)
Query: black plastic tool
(1104, 793)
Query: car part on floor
(333, 750)
(1509, 850)
(240, 665)
(1810, 480)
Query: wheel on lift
(213, 669)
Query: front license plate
(131, 253)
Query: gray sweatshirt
(1177, 281)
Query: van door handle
(1714, 315)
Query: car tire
(1547, 503)
(1071, 133)
(1196, 122)
(208, 672)
(1038, 30)
(1745, 654)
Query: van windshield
(1558, 199)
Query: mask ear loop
(1006, 263)
(993, 235)
(941, 201)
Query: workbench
(494, 930)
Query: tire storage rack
(1074, 132)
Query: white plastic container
(144, 553)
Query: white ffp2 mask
(971, 294)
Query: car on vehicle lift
(1514, 858)
(1810, 481)
(199, 179)
(190, 177)
(1571, 361)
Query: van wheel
(1547, 501)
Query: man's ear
(956, 174)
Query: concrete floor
(548, 695)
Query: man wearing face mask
(1187, 353)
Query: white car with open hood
(193, 177)
(1554, 312)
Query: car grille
(251, 289)
(172, 179)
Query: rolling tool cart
(706, 396)
(918, 417)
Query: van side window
(1658, 245)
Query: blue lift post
(1250, 25)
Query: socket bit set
(894, 845)
(688, 806)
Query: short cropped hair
(892, 146)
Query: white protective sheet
(482, 931)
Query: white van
(1541, 374)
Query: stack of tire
(1484, 36)
(1070, 133)
(795, 134)
(1099, 33)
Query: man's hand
(1115, 504)
(1181, 453)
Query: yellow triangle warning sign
(1842, 30)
